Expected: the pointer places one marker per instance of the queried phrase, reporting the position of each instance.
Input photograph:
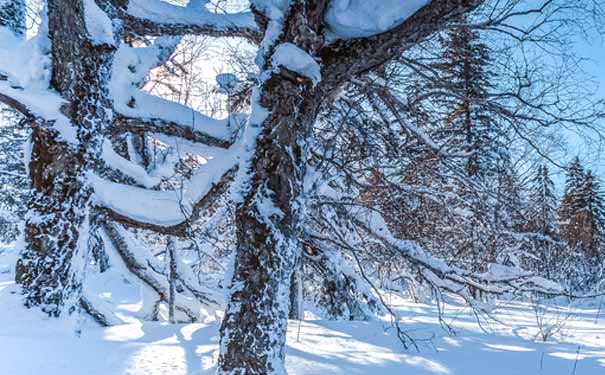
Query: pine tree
(468, 127)
(542, 225)
(573, 182)
(588, 222)
(542, 212)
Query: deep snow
(33, 344)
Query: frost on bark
(51, 263)
(268, 220)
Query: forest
(296, 187)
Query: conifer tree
(542, 213)
(467, 77)
(573, 182)
(542, 223)
(588, 222)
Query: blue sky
(591, 47)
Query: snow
(131, 66)
(297, 60)
(30, 341)
(128, 168)
(25, 64)
(174, 205)
(139, 204)
(98, 24)
(192, 14)
(361, 18)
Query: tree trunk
(268, 246)
(296, 292)
(56, 230)
(269, 218)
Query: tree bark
(56, 230)
(269, 219)
(268, 246)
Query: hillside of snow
(32, 344)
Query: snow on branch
(123, 249)
(123, 124)
(359, 18)
(498, 279)
(353, 225)
(127, 167)
(156, 18)
(166, 212)
(24, 82)
(297, 60)
(138, 109)
(390, 36)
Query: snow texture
(98, 24)
(361, 18)
(174, 205)
(192, 14)
(128, 168)
(25, 76)
(314, 347)
(130, 69)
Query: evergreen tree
(588, 223)
(542, 212)
(573, 182)
(544, 247)
(469, 128)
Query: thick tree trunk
(56, 230)
(254, 327)
(253, 332)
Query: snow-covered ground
(33, 344)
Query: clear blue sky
(592, 48)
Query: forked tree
(83, 100)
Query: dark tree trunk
(57, 228)
(268, 220)
(254, 327)
(296, 292)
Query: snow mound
(295, 59)
(361, 18)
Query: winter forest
(302, 187)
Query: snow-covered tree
(95, 130)
(543, 225)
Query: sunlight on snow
(158, 360)
(510, 348)
(124, 332)
(426, 364)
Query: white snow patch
(98, 24)
(361, 18)
(297, 60)
(192, 14)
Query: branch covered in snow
(124, 124)
(352, 227)
(158, 211)
(157, 18)
(347, 58)
(144, 267)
